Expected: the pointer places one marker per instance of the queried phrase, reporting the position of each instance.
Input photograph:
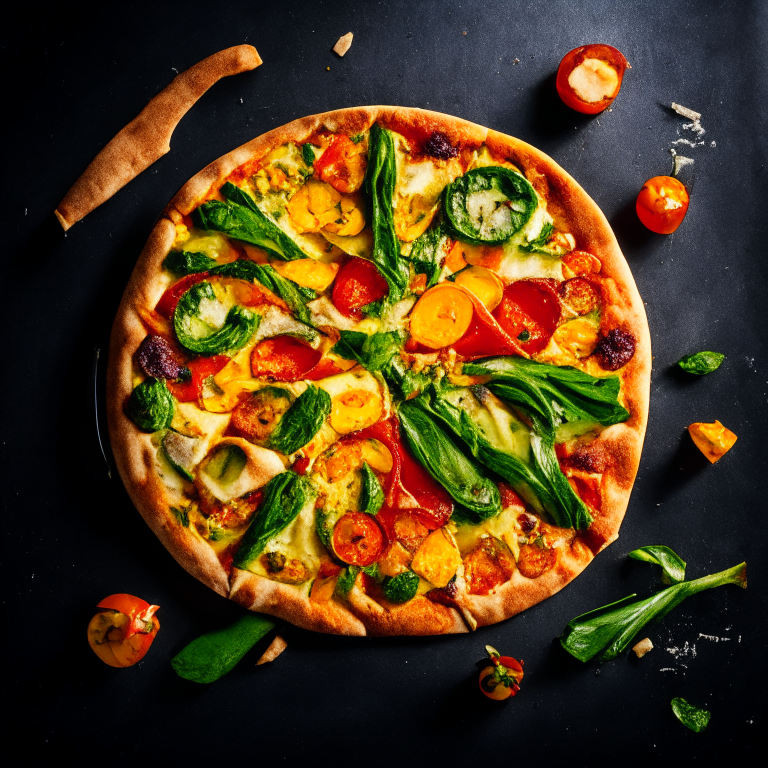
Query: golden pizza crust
(619, 446)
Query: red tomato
(122, 631)
(357, 539)
(508, 496)
(589, 77)
(529, 312)
(662, 204)
(501, 679)
(190, 390)
(283, 358)
(342, 165)
(357, 284)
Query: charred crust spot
(156, 358)
(588, 460)
(438, 145)
(615, 349)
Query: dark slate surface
(72, 535)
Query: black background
(72, 536)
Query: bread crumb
(685, 112)
(276, 647)
(343, 44)
(642, 647)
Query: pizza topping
(372, 494)
(354, 410)
(183, 452)
(342, 164)
(701, 363)
(501, 679)
(483, 283)
(317, 206)
(615, 349)
(577, 338)
(400, 588)
(529, 312)
(156, 357)
(437, 559)
(308, 273)
(535, 560)
(488, 205)
(579, 295)
(662, 204)
(190, 388)
(358, 284)
(441, 317)
(713, 440)
(257, 417)
(438, 145)
(301, 422)
(122, 631)
(357, 539)
(279, 567)
(151, 406)
(487, 566)
(580, 263)
(283, 358)
(589, 77)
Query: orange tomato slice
(441, 316)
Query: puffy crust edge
(134, 454)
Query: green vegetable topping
(357, 138)
(428, 254)
(488, 205)
(151, 406)
(302, 421)
(701, 363)
(691, 717)
(200, 337)
(308, 153)
(186, 263)
(372, 496)
(284, 497)
(211, 656)
(539, 245)
(671, 563)
(401, 588)
(226, 464)
(181, 515)
(346, 580)
(610, 630)
(439, 455)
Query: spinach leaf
(539, 244)
(691, 717)
(459, 475)
(488, 205)
(401, 588)
(671, 563)
(186, 263)
(350, 344)
(284, 497)
(308, 154)
(428, 252)
(151, 405)
(701, 363)
(302, 421)
(293, 295)
(240, 218)
(346, 580)
(324, 527)
(212, 655)
(372, 496)
(380, 186)
(610, 630)
(199, 337)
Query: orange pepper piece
(713, 440)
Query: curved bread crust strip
(620, 444)
(147, 138)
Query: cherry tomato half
(589, 77)
(357, 284)
(662, 204)
(529, 311)
(123, 629)
(283, 358)
(500, 679)
(357, 539)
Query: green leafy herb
(324, 527)
(302, 421)
(215, 653)
(346, 580)
(151, 405)
(459, 475)
(488, 205)
(671, 563)
(610, 630)
(186, 263)
(372, 496)
(201, 338)
(350, 345)
(539, 245)
(380, 186)
(701, 363)
(691, 717)
(428, 254)
(308, 153)
(401, 588)
(284, 497)
(181, 515)
(357, 138)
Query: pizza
(381, 371)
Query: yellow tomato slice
(441, 316)
(354, 410)
(713, 440)
(307, 273)
(484, 284)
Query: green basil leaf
(539, 245)
(671, 563)
(691, 717)
(701, 363)
(372, 496)
(346, 580)
(308, 153)
(186, 263)
(302, 421)
(401, 588)
(428, 254)
(151, 406)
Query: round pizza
(381, 371)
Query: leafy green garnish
(346, 580)
(324, 527)
(201, 338)
(372, 496)
(427, 254)
(212, 655)
(401, 588)
(151, 406)
(701, 363)
(308, 153)
(539, 244)
(671, 563)
(302, 421)
(186, 263)
(610, 630)
(357, 138)
(284, 497)
(181, 515)
(691, 717)
(380, 186)
(458, 474)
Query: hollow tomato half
(589, 77)
(122, 631)
(662, 204)
(501, 678)
(358, 283)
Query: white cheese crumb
(343, 44)
(714, 638)
(685, 112)
(643, 647)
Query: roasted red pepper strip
(191, 390)
(168, 301)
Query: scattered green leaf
(701, 363)
(691, 717)
(671, 563)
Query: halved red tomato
(190, 390)
(122, 631)
(358, 283)
(589, 77)
(283, 358)
(529, 312)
